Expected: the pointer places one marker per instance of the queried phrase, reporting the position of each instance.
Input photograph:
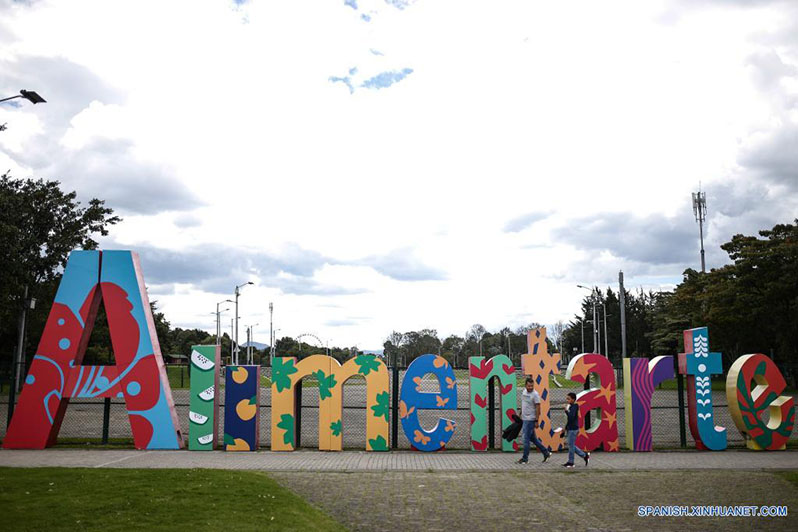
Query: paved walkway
(310, 460)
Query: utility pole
(583, 335)
(249, 345)
(17, 369)
(20, 358)
(271, 334)
(232, 342)
(593, 297)
(606, 349)
(218, 322)
(235, 351)
(623, 315)
(700, 211)
(238, 293)
(595, 320)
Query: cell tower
(700, 211)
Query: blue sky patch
(398, 4)
(346, 80)
(386, 79)
(351, 3)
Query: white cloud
(415, 204)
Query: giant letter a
(56, 373)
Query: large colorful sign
(482, 372)
(90, 278)
(600, 402)
(242, 408)
(113, 278)
(412, 398)
(540, 365)
(748, 403)
(331, 375)
(699, 365)
(203, 415)
(640, 376)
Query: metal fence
(97, 420)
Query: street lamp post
(583, 335)
(237, 293)
(271, 333)
(32, 96)
(250, 339)
(595, 330)
(248, 346)
(275, 334)
(218, 322)
(606, 349)
(232, 341)
(19, 358)
(622, 293)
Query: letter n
(286, 372)
(56, 373)
(481, 373)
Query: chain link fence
(97, 420)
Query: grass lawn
(165, 499)
(178, 376)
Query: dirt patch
(567, 500)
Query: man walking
(572, 426)
(530, 413)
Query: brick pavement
(311, 460)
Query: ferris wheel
(320, 344)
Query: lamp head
(32, 96)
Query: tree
(392, 348)
(750, 306)
(417, 343)
(451, 350)
(39, 225)
(474, 338)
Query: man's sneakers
(546, 456)
(521, 461)
(586, 458)
(568, 466)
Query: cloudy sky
(374, 165)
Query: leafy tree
(39, 225)
(451, 350)
(750, 306)
(417, 343)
